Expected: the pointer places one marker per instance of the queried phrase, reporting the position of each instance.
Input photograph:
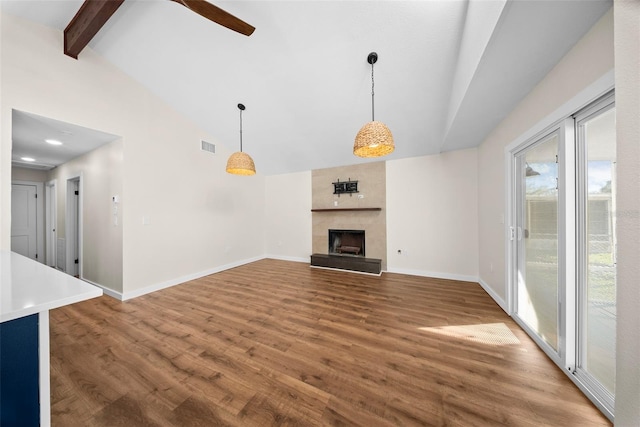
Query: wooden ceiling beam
(91, 17)
(217, 15)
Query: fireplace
(346, 242)
(346, 252)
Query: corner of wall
(497, 298)
(627, 66)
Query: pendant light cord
(372, 95)
(240, 130)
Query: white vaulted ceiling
(447, 73)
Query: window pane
(599, 326)
(538, 241)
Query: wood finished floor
(279, 343)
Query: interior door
(537, 256)
(24, 220)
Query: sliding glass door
(562, 260)
(537, 290)
(596, 161)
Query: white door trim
(51, 221)
(70, 230)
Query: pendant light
(374, 138)
(240, 163)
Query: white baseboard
(436, 275)
(501, 302)
(107, 291)
(169, 283)
(179, 280)
(288, 258)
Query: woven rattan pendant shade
(374, 138)
(240, 163)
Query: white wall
(200, 218)
(288, 216)
(5, 164)
(101, 174)
(588, 60)
(432, 215)
(24, 174)
(627, 52)
(431, 207)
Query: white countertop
(28, 287)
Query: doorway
(26, 219)
(24, 230)
(68, 158)
(73, 227)
(50, 220)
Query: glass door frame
(604, 397)
(566, 184)
(568, 227)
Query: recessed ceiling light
(53, 142)
(28, 159)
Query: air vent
(207, 146)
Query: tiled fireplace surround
(372, 193)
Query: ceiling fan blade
(217, 15)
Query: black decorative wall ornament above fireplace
(344, 187)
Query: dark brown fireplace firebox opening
(346, 242)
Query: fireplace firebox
(346, 242)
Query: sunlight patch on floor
(487, 333)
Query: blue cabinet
(28, 291)
(19, 376)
